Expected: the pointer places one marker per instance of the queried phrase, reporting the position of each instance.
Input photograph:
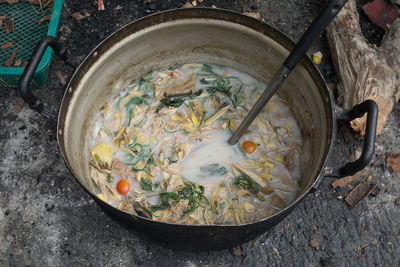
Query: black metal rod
(316, 28)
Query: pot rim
(185, 14)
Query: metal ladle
(319, 24)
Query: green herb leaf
(170, 102)
(214, 169)
(136, 101)
(193, 193)
(109, 178)
(98, 188)
(245, 182)
(158, 207)
(196, 94)
(166, 196)
(146, 184)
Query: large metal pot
(205, 36)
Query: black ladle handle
(30, 69)
(316, 28)
(329, 12)
(371, 108)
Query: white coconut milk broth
(137, 141)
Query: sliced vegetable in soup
(160, 149)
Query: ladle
(319, 24)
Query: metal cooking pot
(204, 36)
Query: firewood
(364, 71)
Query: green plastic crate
(27, 33)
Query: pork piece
(183, 87)
(288, 160)
(122, 170)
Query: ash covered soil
(46, 218)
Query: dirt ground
(47, 219)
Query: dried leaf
(314, 243)
(146, 1)
(357, 195)
(277, 252)
(10, 60)
(342, 182)
(18, 62)
(187, 5)
(360, 250)
(3, 17)
(397, 201)
(61, 77)
(17, 107)
(9, 25)
(194, 3)
(384, 106)
(45, 18)
(255, 15)
(237, 251)
(80, 16)
(7, 45)
(393, 163)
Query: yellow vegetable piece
(103, 152)
(235, 215)
(190, 128)
(266, 176)
(120, 133)
(232, 126)
(106, 108)
(307, 115)
(102, 197)
(140, 165)
(194, 119)
(138, 137)
(242, 214)
(269, 165)
(317, 57)
(279, 159)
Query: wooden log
(364, 71)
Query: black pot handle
(30, 69)
(369, 107)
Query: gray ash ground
(47, 219)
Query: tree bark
(364, 71)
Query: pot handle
(371, 108)
(30, 69)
